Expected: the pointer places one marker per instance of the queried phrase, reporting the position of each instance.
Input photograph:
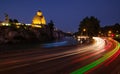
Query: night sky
(66, 14)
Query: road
(100, 57)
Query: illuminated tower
(38, 20)
(6, 22)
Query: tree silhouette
(115, 29)
(15, 21)
(51, 27)
(11, 22)
(89, 25)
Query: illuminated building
(38, 20)
(6, 21)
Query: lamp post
(84, 31)
(109, 33)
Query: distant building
(6, 21)
(6, 18)
(38, 20)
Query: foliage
(51, 27)
(89, 26)
(115, 29)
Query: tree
(15, 21)
(11, 22)
(116, 28)
(51, 27)
(89, 26)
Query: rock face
(13, 35)
(38, 20)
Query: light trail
(78, 54)
(56, 44)
(94, 64)
(99, 45)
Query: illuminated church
(38, 20)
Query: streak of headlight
(40, 59)
(113, 57)
(97, 62)
(63, 54)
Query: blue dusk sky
(66, 14)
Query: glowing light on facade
(38, 26)
(5, 24)
(38, 20)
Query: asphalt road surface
(100, 57)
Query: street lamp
(109, 33)
(99, 33)
(84, 30)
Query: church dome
(38, 20)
